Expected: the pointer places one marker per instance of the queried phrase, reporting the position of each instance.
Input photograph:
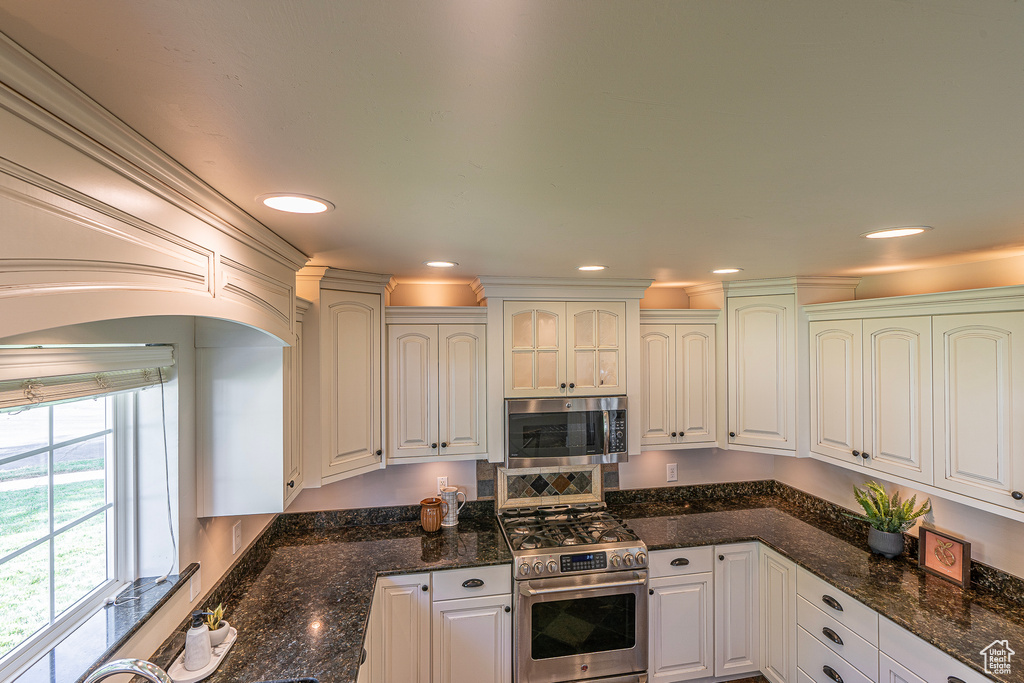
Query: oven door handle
(635, 581)
(607, 431)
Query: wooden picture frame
(946, 556)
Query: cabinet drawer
(827, 630)
(497, 580)
(816, 661)
(922, 658)
(857, 617)
(687, 561)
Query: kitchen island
(305, 613)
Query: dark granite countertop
(959, 622)
(305, 612)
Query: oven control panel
(580, 563)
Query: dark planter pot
(888, 544)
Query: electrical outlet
(441, 483)
(236, 537)
(195, 585)
(671, 472)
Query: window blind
(33, 376)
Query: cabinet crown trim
(680, 316)
(346, 280)
(989, 300)
(778, 285)
(558, 288)
(435, 315)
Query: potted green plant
(888, 516)
(218, 625)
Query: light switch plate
(671, 472)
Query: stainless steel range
(580, 594)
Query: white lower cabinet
(447, 627)
(472, 640)
(737, 641)
(890, 671)
(778, 617)
(680, 613)
(398, 646)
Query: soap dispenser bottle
(197, 644)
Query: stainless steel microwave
(545, 432)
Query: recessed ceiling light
(895, 232)
(296, 203)
(592, 267)
(440, 264)
(726, 271)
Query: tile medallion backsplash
(487, 481)
(548, 485)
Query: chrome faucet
(140, 667)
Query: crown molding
(558, 289)
(435, 315)
(43, 98)
(679, 316)
(354, 280)
(989, 300)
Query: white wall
(394, 485)
(1000, 272)
(993, 538)
(697, 466)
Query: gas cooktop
(559, 539)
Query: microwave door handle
(636, 581)
(607, 431)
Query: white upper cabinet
(979, 405)
(350, 348)
(762, 371)
(556, 348)
(837, 421)
(596, 346)
(898, 401)
(293, 456)
(677, 407)
(534, 349)
(436, 387)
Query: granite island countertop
(306, 612)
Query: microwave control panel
(617, 440)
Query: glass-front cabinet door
(534, 348)
(596, 347)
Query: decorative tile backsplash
(548, 485)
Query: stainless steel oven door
(575, 628)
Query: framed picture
(945, 556)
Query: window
(58, 514)
(67, 495)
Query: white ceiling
(527, 137)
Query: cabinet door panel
(897, 357)
(695, 383)
(472, 640)
(778, 617)
(762, 374)
(979, 404)
(413, 359)
(657, 405)
(462, 371)
(680, 628)
(350, 348)
(596, 346)
(534, 348)
(837, 422)
(890, 671)
(399, 643)
(737, 641)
